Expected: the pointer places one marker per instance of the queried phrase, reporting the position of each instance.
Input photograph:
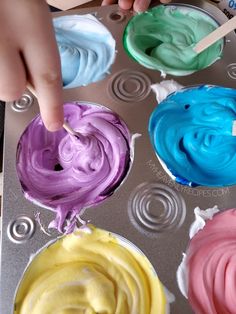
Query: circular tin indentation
(22, 104)
(231, 70)
(155, 208)
(130, 86)
(21, 229)
(116, 16)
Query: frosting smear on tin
(87, 49)
(67, 174)
(210, 263)
(191, 132)
(165, 88)
(163, 39)
(90, 271)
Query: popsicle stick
(234, 128)
(66, 126)
(66, 4)
(71, 131)
(31, 89)
(217, 34)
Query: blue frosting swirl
(87, 49)
(191, 132)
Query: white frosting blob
(170, 298)
(201, 216)
(182, 277)
(165, 88)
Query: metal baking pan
(148, 209)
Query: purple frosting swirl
(67, 174)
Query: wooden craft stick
(66, 4)
(217, 34)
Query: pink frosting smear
(211, 265)
(67, 174)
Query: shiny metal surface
(149, 209)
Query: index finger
(42, 60)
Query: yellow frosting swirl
(90, 271)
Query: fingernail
(139, 6)
(55, 126)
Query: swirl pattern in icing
(191, 132)
(163, 39)
(211, 266)
(68, 174)
(87, 49)
(91, 271)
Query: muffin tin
(149, 209)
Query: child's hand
(138, 5)
(28, 52)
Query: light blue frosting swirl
(191, 132)
(87, 49)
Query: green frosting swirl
(163, 39)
